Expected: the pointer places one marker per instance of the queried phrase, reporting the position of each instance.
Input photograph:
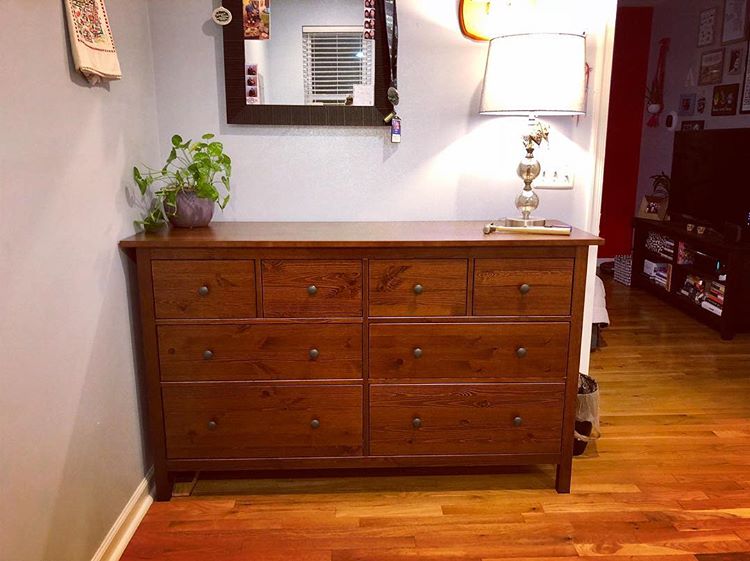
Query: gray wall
(70, 440)
(678, 20)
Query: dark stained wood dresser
(286, 346)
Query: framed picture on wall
(735, 21)
(711, 67)
(725, 100)
(653, 207)
(736, 60)
(745, 98)
(692, 125)
(707, 27)
(687, 105)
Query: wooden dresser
(287, 346)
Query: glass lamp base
(518, 222)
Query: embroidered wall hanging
(91, 40)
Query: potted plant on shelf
(193, 180)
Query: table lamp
(533, 74)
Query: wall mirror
(307, 62)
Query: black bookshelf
(732, 271)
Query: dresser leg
(564, 473)
(162, 485)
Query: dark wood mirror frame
(239, 113)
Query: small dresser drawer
(418, 287)
(311, 288)
(509, 351)
(523, 287)
(260, 352)
(455, 419)
(203, 289)
(249, 421)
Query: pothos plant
(198, 167)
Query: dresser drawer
(453, 419)
(240, 420)
(260, 352)
(203, 289)
(508, 351)
(418, 287)
(311, 288)
(523, 287)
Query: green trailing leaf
(216, 149)
(208, 136)
(176, 141)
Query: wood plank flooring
(669, 480)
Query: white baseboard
(122, 530)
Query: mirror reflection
(309, 52)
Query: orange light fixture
(477, 19)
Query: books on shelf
(706, 305)
(660, 273)
(709, 295)
(660, 245)
(685, 255)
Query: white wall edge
(119, 535)
(599, 141)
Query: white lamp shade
(539, 73)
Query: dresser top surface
(348, 234)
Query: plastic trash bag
(587, 406)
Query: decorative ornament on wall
(91, 40)
(655, 93)
(221, 16)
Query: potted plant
(193, 180)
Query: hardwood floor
(670, 478)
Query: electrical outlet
(555, 177)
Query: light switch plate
(555, 177)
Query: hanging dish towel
(91, 40)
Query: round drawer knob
(212, 425)
(203, 291)
(416, 422)
(517, 421)
(524, 288)
(315, 423)
(418, 289)
(418, 353)
(314, 353)
(521, 352)
(312, 289)
(208, 354)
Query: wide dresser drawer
(523, 287)
(265, 351)
(513, 352)
(185, 289)
(233, 420)
(451, 419)
(418, 287)
(312, 288)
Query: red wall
(626, 114)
